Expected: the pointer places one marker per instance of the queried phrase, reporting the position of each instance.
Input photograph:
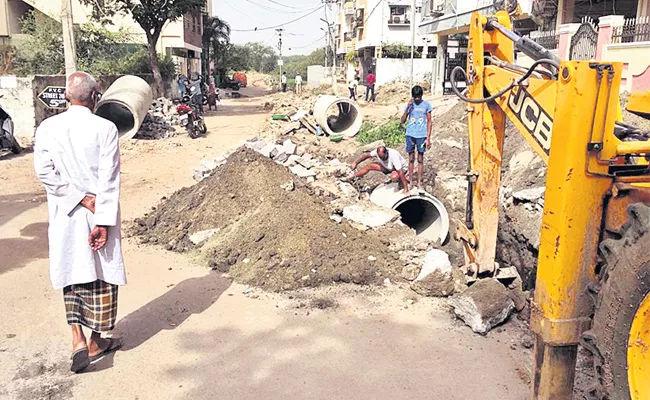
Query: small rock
(347, 190)
(10, 335)
(372, 258)
(336, 218)
(201, 237)
(387, 282)
(410, 272)
(483, 306)
(301, 150)
(246, 260)
(311, 179)
(305, 278)
(265, 150)
(307, 163)
(288, 186)
(410, 301)
(527, 341)
(281, 158)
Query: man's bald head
(81, 88)
(382, 152)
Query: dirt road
(190, 333)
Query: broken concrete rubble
(529, 195)
(436, 277)
(301, 171)
(368, 216)
(483, 306)
(289, 148)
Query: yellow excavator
(593, 273)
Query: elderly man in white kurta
(77, 159)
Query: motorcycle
(7, 139)
(191, 114)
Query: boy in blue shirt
(418, 130)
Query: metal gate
(583, 42)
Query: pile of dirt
(396, 92)
(266, 235)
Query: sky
(300, 37)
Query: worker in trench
(418, 130)
(388, 161)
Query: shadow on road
(167, 312)
(18, 252)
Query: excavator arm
(567, 112)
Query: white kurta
(77, 154)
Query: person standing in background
(354, 83)
(298, 84)
(77, 158)
(283, 80)
(370, 86)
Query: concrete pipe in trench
(338, 116)
(420, 211)
(126, 103)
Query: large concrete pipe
(126, 103)
(338, 116)
(420, 211)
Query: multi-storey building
(369, 26)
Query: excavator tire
(623, 295)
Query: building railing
(548, 39)
(632, 30)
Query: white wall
(377, 30)
(18, 101)
(391, 69)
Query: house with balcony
(374, 29)
(181, 39)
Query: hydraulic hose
(503, 91)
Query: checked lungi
(93, 305)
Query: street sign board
(53, 97)
(280, 62)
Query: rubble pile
(160, 120)
(265, 226)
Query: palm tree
(216, 34)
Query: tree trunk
(158, 85)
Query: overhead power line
(307, 45)
(280, 25)
(275, 10)
(284, 5)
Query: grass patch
(390, 132)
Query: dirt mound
(263, 234)
(396, 93)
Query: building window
(397, 10)
(194, 23)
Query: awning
(451, 23)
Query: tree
(151, 15)
(216, 34)
(99, 51)
(262, 57)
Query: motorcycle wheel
(203, 128)
(15, 147)
(193, 132)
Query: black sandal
(80, 360)
(113, 346)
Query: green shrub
(390, 132)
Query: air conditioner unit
(398, 19)
(438, 6)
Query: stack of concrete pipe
(126, 103)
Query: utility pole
(69, 47)
(330, 31)
(412, 43)
(281, 62)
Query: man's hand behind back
(89, 203)
(97, 238)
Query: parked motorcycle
(191, 114)
(228, 83)
(7, 138)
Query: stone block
(483, 305)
